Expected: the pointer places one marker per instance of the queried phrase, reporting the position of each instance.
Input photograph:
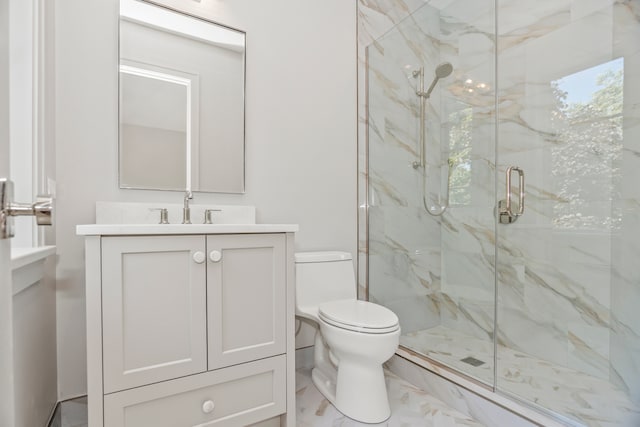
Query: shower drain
(472, 361)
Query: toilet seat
(359, 316)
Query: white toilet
(354, 338)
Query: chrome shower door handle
(507, 215)
(520, 191)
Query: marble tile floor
(410, 406)
(450, 346)
(580, 396)
(593, 401)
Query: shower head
(443, 70)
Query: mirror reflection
(181, 101)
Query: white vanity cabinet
(190, 327)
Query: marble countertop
(151, 229)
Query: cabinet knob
(208, 406)
(215, 256)
(199, 257)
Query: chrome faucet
(186, 210)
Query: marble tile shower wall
(375, 18)
(468, 128)
(569, 284)
(404, 248)
(414, 257)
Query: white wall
(21, 104)
(301, 133)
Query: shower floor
(591, 400)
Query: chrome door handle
(42, 209)
(507, 215)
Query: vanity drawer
(236, 396)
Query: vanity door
(154, 309)
(246, 297)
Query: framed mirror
(181, 116)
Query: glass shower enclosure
(504, 197)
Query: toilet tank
(323, 277)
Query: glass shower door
(540, 302)
(568, 324)
(431, 173)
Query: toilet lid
(362, 316)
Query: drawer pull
(215, 256)
(199, 257)
(208, 406)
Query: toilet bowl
(353, 340)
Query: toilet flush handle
(215, 256)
